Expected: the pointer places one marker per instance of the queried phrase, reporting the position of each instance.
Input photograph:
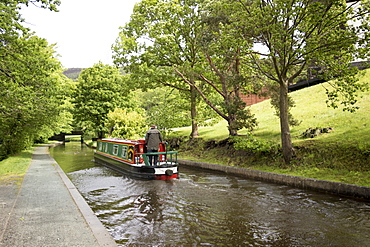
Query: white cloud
(83, 30)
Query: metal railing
(172, 160)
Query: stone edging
(299, 182)
(99, 231)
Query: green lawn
(341, 155)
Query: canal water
(205, 208)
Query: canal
(205, 208)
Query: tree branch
(212, 85)
(202, 95)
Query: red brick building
(252, 99)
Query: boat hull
(163, 172)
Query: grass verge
(351, 167)
(13, 169)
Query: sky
(83, 30)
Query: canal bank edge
(99, 231)
(349, 190)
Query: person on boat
(152, 139)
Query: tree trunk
(231, 117)
(231, 122)
(286, 140)
(100, 134)
(193, 112)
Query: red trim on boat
(166, 177)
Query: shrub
(250, 143)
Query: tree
(168, 108)
(11, 23)
(100, 89)
(165, 107)
(161, 35)
(164, 42)
(12, 30)
(30, 94)
(298, 34)
(31, 98)
(128, 124)
(224, 50)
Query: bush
(3, 154)
(250, 143)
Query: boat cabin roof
(123, 141)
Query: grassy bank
(13, 169)
(343, 155)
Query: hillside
(312, 110)
(72, 73)
(345, 150)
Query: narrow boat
(130, 157)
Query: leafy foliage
(126, 124)
(100, 89)
(32, 103)
(250, 143)
(31, 94)
(165, 108)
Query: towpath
(47, 210)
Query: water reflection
(73, 156)
(210, 209)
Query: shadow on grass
(268, 136)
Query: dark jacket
(153, 138)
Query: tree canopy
(126, 123)
(100, 89)
(32, 104)
(161, 35)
